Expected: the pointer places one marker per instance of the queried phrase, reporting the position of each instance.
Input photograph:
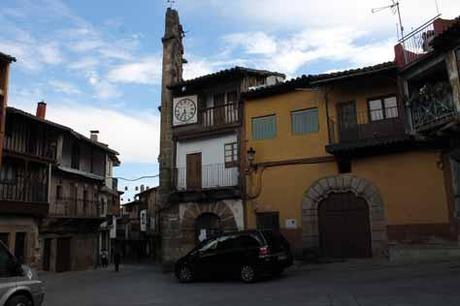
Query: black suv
(245, 254)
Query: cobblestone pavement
(350, 283)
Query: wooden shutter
(305, 121)
(264, 127)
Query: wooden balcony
(211, 120)
(69, 207)
(362, 132)
(24, 196)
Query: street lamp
(251, 154)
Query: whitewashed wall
(214, 173)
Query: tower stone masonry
(171, 73)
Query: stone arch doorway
(352, 185)
(207, 225)
(344, 230)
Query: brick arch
(362, 188)
(193, 211)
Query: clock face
(184, 110)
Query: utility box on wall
(290, 223)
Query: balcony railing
(71, 207)
(417, 43)
(220, 115)
(432, 105)
(359, 127)
(211, 177)
(24, 190)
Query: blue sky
(98, 63)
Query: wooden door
(63, 255)
(348, 126)
(46, 254)
(194, 171)
(344, 226)
(219, 109)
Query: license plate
(282, 257)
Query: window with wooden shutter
(305, 121)
(264, 127)
(231, 154)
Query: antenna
(394, 6)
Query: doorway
(194, 171)
(344, 226)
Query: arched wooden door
(207, 225)
(344, 226)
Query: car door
(206, 258)
(227, 251)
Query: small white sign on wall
(291, 223)
(185, 110)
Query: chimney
(93, 135)
(41, 110)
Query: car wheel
(19, 300)
(248, 274)
(184, 274)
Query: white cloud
(50, 53)
(64, 87)
(123, 132)
(144, 71)
(197, 67)
(253, 42)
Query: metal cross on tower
(170, 3)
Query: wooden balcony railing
(211, 177)
(220, 115)
(24, 189)
(70, 207)
(359, 127)
(432, 105)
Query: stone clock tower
(171, 73)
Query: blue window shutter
(264, 127)
(305, 121)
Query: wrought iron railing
(71, 207)
(375, 124)
(211, 177)
(220, 115)
(431, 105)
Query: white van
(19, 285)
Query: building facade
(367, 176)
(202, 119)
(82, 198)
(29, 152)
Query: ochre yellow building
(333, 165)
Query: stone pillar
(171, 73)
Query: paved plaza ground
(349, 283)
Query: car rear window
(275, 240)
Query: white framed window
(231, 154)
(383, 108)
